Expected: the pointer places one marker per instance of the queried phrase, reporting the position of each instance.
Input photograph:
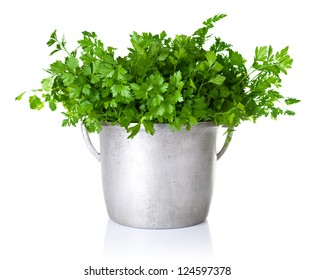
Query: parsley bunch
(176, 80)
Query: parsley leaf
(182, 81)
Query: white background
(52, 213)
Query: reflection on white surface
(125, 242)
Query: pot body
(161, 181)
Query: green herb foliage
(163, 80)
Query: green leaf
(72, 63)
(121, 72)
(241, 107)
(89, 34)
(169, 108)
(209, 22)
(51, 42)
(107, 83)
(181, 53)
(173, 60)
(177, 96)
(135, 87)
(201, 33)
(176, 124)
(74, 91)
(53, 52)
(224, 92)
(134, 130)
(58, 67)
(52, 105)
(261, 53)
(285, 61)
(290, 101)
(158, 82)
(149, 126)
(86, 89)
(192, 84)
(231, 118)
(68, 78)
(163, 87)
(53, 38)
(211, 58)
(85, 107)
(156, 100)
(141, 92)
(162, 57)
(19, 97)
(86, 44)
(35, 102)
(218, 80)
(275, 112)
(217, 67)
(66, 122)
(95, 79)
(54, 35)
(193, 120)
(107, 71)
(47, 84)
(289, 113)
(86, 70)
(113, 103)
(178, 77)
(121, 89)
(237, 59)
(163, 35)
(220, 46)
(160, 110)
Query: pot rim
(207, 123)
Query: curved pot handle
(89, 143)
(227, 142)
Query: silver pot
(161, 181)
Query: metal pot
(161, 181)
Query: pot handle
(88, 143)
(227, 142)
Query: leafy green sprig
(163, 80)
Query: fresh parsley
(176, 80)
